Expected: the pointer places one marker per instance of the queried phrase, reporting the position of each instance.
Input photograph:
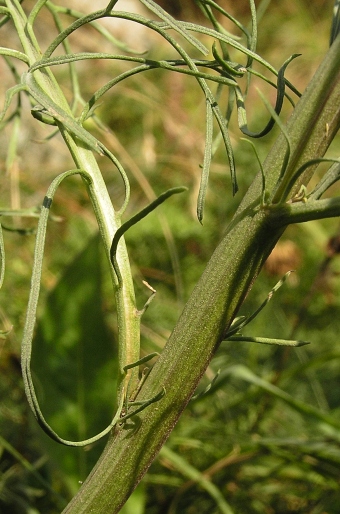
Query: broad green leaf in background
(136, 502)
(74, 365)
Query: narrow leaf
(206, 161)
(266, 340)
(163, 15)
(242, 118)
(135, 219)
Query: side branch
(300, 212)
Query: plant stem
(301, 212)
(213, 304)
(109, 222)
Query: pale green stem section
(109, 222)
(212, 306)
(108, 219)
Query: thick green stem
(209, 311)
(219, 293)
(214, 302)
(313, 125)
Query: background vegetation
(264, 441)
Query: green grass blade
(194, 474)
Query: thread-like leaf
(238, 46)
(135, 219)
(303, 168)
(14, 53)
(242, 118)
(245, 320)
(331, 177)
(8, 98)
(261, 168)
(56, 9)
(268, 340)
(225, 13)
(31, 317)
(163, 15)
(206, 162)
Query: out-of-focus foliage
(262, 451)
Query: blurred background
(265, 439)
